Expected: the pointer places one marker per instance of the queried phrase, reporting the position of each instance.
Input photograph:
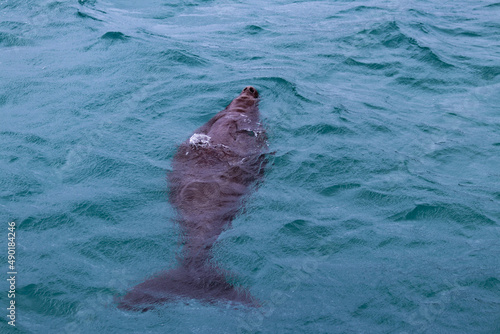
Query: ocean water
(379, 213)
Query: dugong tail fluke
(211, 173)
(206, 283)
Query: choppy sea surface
(380, 212)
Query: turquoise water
(380, 211)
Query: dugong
(211, 173)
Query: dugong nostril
(252, 91)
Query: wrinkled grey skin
(212, 171)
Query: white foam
(200, 140)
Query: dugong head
(249, 90)
(246, 101)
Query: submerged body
(212, 170)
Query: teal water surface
(380, 211)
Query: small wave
(461, 214)
(390, 35)
(334, 189)
(45, 299)
(377, 197)
(115, 35)
(253, 29)
(487, 72)
(454, 32)
(87, 16)
(87, 2)
(372, 66)
(93, 209)
(11, 40)
(284, 84)
(48, 221)
(493, 5)
(183, 57)
(303, 235)
(360, 9)
(323, 129)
